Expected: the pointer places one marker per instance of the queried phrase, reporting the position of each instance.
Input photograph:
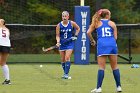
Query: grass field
(30, 78)
(50, 58)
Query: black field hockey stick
(55, 46)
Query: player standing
(4, 50)
(64, 31)
(106, 46)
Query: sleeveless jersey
(106, 43)
(4, 37)
(66, 32)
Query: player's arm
(76, 27)
(89, 33)
(113, 25)
(8, 31)
(58, 35)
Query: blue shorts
(107, 50)
(66, 46)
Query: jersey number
(3, 33)
(65, 35)
(106, 32)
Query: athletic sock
(116, 74)
(63, 66)
(100, 78)
(5, 70)
(67, 67)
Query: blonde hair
(65, 12)
(98, 15)
(3, 21)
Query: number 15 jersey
(106, 43)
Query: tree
(122, 10)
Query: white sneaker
(67, 77)
(119, 89)
(99, 90)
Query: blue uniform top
(106, 43)
(66, 32)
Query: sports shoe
(6, 82)
(65, 76)
(135, 66)
(119, 89)
(99, 90)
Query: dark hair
(103, 14)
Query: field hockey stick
(125, 58)
(55, 46)
(50, 48)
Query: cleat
(99, 90)
(119, 89)
(6, 82)
(68, 77)
(65, 76)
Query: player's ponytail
(96, 18)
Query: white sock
(5, 70)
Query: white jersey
(4, 37)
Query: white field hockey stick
(55, 46)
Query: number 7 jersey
(4, 37)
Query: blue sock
(63, 66)
(100, 78)
(67, 67)
(116, 74)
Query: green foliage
(28, 12)
(12, 11)
(48, 12)
(43, 13)
(122, 11)
(136, 40)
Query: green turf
(56, 58)
(33, 79)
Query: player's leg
(5, 67)
(116, 72)
(62, 54)
(68, 63)
(101, 62)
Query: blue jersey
(66, 32)
(106, 43)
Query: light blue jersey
(106, 43)
(66, 32)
